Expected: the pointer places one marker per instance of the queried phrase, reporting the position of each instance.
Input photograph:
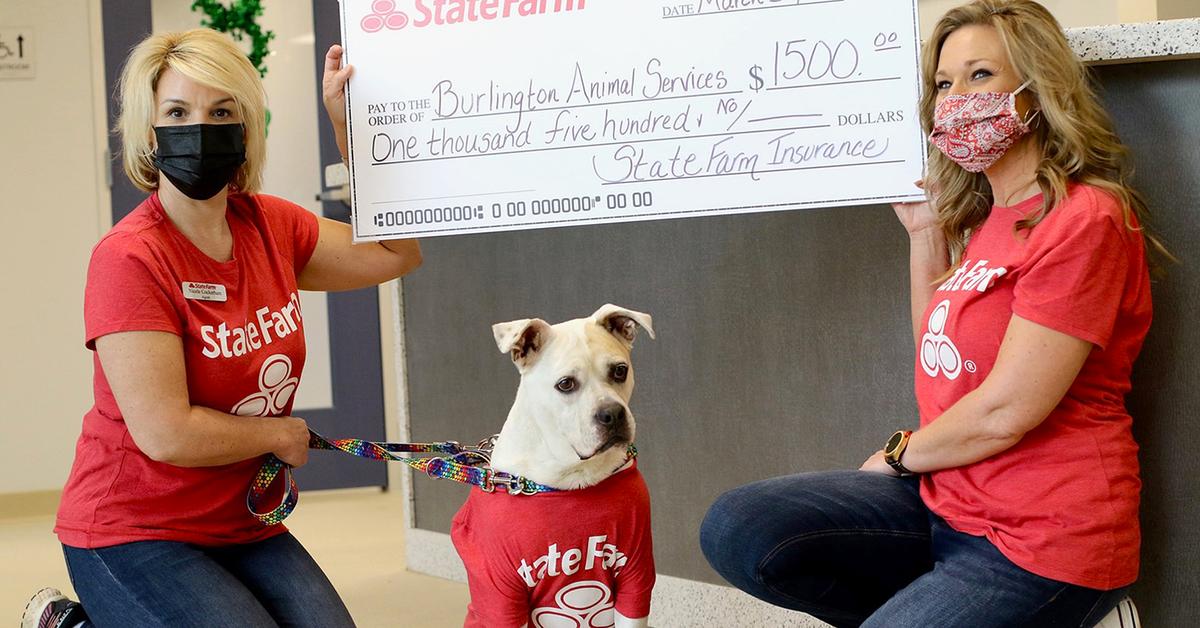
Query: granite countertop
(1127, 43)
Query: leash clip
(512, 484)
(488, 444)
(470, 458)
(519, 485)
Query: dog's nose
(610, 416)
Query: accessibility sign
(16, 52)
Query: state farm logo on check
(384, 13)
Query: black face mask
(200, 159)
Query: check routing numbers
(491, 115)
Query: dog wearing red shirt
(580, 556)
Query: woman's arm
(928, 256)
(339, 264)
(928, 259)
(1033, 371)
(145, 371)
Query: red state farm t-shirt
(243, 351)
(566, 558)
(1063, 502)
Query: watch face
(893, 442)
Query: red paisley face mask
(975, 130)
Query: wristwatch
(894, 449)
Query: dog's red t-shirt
(1063, 502)
(566, 558)
(243, 351)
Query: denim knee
(724, 523)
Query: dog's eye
(566, 385)
(619, 372)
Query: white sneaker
(1125, 615)
(49, 608)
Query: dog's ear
(623, 323)
(522, 338)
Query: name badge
(204, 291)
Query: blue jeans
(165, 583)
(861, 549)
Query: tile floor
(356, 536)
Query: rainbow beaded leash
(463, 464)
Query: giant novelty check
(470, 116)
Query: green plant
(240, 21)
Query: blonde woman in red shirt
(1016, 501)
(193, 313)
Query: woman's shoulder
(1089, 213)
(263, 204)
(1091, 204)
(278, 216)
(138, 233)
(270, 213)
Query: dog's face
(576, 381)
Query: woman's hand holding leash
(291, 440)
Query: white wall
(1071, 13)
(52, 190)
(1175, 9)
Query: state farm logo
(384, 13)
(938, 353)
(587, 604)
(276, 385)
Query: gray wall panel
(1157, 108)
(784, 342)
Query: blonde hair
(210, 59)
(1073, 133)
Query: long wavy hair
(1074, 135)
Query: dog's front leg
(625, 622)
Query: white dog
(580, 555)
